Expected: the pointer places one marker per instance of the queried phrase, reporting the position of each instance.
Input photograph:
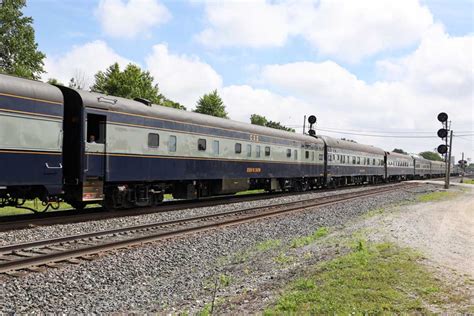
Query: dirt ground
(443, 231)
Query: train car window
(329, 157)
(257, 151)
(153, 140)
(373, 161)
(358, 160)
(312, 155)
(267, 151)
(249, 150)
(353, 160)
(288, 153)
(296, 154)
(201, 144)
(95, 128)
(215, 147)
(321, 157)
(172, 143)
(238, 148)
(306, 154)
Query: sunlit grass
(382, 278)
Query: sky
(375, 71)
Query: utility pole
(304, 125)
(463, 168)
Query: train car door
(94, 164)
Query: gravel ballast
(179, 274)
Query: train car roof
(344, 144)
(398, 155)
(31, 89)
(419, 158)
(118, 104)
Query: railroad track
(38, 255)
(8, 223)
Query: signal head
(312, 132)
(442, 117)
(442, 149)
(312, 119)
(442, 133)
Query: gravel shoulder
(241, 268)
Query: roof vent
(144, 101)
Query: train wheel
(79, 206)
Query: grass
(306, 240)
(250, 192)
(283, 259)
(468, 181)
(268, 245)
(437, 196)
(382, 278)
(36, 204)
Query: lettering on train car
(254, 170)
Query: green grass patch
(250, 192)
(306, 240)
(468, 181)
(437, 196)
(35, 204)
(381, 278)
(268, 245)
(283, 259)
(373, 213)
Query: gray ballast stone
(171, 275)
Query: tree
(54, 81)
(78, 81)
(211, 104)
(19, 54)
(431, 155)
(400, 151)
(258, 120)
(171, 104)
(277, 125)
(131, 83)
(261, 120)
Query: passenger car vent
(144, 101)
(107, 100)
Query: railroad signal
(312, 120)
(443, 149)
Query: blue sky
(358, 65)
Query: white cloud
(84, 60)
(345, 29)
(249, 23)
(242, 101)
(350, 30)
(129, 18)
(441, 65)
(181, 78)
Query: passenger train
(62, 144)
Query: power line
(347, 131)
